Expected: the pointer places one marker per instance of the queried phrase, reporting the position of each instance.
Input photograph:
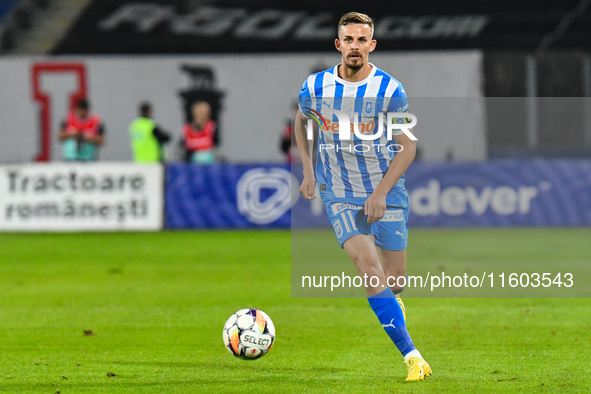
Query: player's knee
(397, 289)
(366, 264)
(397, 282)
(373, 276)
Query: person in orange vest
(200, 135)
(82, 133)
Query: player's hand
(307, 188)
(375, 207)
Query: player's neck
(351, 75)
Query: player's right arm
(309, 183)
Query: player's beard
(356, 67)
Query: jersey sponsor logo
(393, 216)
(396, 123)
(317, 116)
(340, 207)
(364, 127)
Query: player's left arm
(375, 205)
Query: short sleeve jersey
(349, 170)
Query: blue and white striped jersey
(349, 171)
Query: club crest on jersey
(338, 229)
(368, 108)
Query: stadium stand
(530, 49)
(33, 27)
(114, 26)
(7, 24)
(5, 7)
(16, 16)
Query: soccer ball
(249, 334)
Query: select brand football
(249, 334)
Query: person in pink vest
(82, 133)
(199, 135)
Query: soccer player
(361, 182)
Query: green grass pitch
(156, 304)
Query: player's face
(355, 44)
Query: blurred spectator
(288, 143)
(200, 135)
(286, 140)
(146, 137)
(82, 133)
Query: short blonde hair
(352, 18)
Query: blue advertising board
(500, 193)
(493, 193)
(227, 196)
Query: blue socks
(390, 315)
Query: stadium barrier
(250, 124)
(81, 197)
(227, 196)
(500, 193)
(493, 193)
(126, 196)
